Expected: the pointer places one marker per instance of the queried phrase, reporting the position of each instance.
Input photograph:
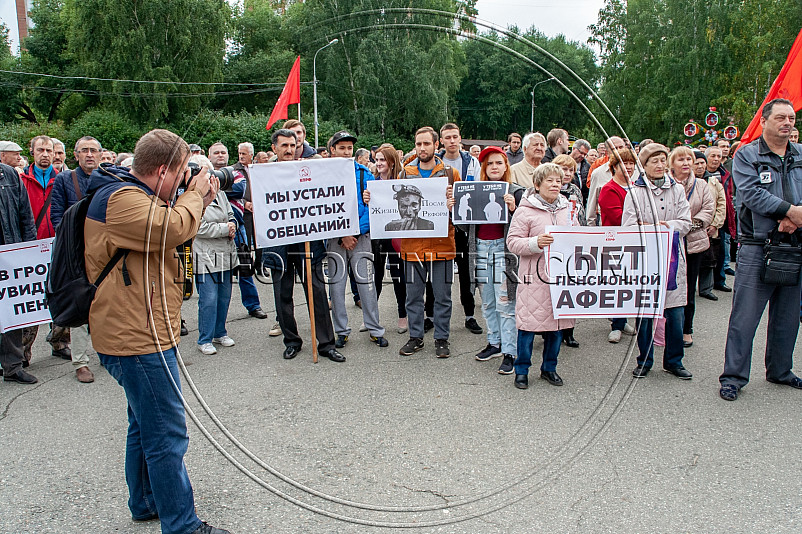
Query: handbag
(782, 259)
(245, 267)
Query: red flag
(787, 85)
(291, 94)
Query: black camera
(225, 175)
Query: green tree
(177, 41)
(495, 97)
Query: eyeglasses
(88, 150)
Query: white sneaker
(225, 341)
(207, 348)
(615, 336)
(275, 331)
(363, 328)
(629, 329)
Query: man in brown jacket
(135, 316)
(431, 257)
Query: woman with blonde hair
(703, 208)
(541, 206)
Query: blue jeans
(618, 323)
(214, 296)
(157, 440)
(498, 308)
(247, 287)
(551, 348)
(674, 350)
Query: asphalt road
(357, 445)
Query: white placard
(480, 203)
(608, 271)
(412, 207)
(23, 273)
(306, 200)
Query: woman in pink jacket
(542, 205)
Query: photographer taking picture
(135, 315)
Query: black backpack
(69, 291)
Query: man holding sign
(429, 257)
(286, 260)
(17, 226)
(354, 251)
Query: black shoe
(291, 352)
(184, 331)
(473, 326)
(507, 367)
(679, 372)
(640, 372)
(411, 347)
(209, 529)
(521, 381)
(26, 363)
(151, 517)
(441, 348)
(687, 344)
(728, 392)
(258, 313)
(551, 377)
(708, 296)
(427, 325)
(358, 304)
(341, 341)
(729, 271)
(571, 341)
(333, 355)
(794, 382)
(64, 354)
(723, 287)
(23, 377)
(380, 341)
(490, 351)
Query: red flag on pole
(291, 94)
(788, 85)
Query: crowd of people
(721, 211)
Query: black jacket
(16, 216)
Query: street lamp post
(532, 121)
(314, 82)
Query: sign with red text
(608, 271)
(23, 274)
(305, 200)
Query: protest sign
(23, 273)
(412, 207)
(480, 203)
(608, 271)
(306, 200)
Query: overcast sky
(568, 17)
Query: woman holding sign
(657, 199)
(542, 205)
(492, 267)
(387, 167)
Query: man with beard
(429, 258)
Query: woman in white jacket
(657, 199)
(215, 258)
